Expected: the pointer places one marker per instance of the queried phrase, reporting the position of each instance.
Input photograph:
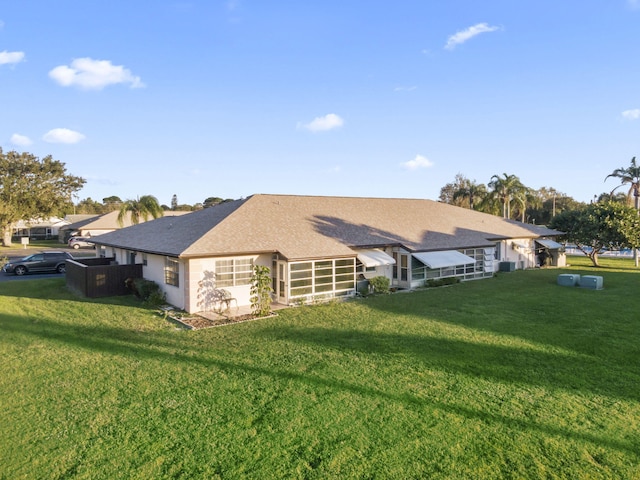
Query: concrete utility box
(592, 282)
(569, 279)
(507, 266)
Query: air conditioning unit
(569, 279)
(592, 282)
(507, 266)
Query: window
(322, 277)
(404, 268)
(172, 271)
(144, 259)
(233, 272)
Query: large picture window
(233, 272)
(172, 271)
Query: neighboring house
(99, 224)
(38, 229)
(318, 247)
(64, 232)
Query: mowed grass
(510, 377)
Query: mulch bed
(196, 322)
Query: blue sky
(382, 99)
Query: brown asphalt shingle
(302, 227)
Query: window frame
(172, 271)
(234, 272)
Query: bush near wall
(380, 284)
(441, 282)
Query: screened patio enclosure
(468, 264)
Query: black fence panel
(100, 277)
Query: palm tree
(524, 196)
(143, 207)
(470, 191)
(505, 188)
(629, 176)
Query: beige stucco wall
(200, 279)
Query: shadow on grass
(523, 366)
(56, 289)
(506, 365)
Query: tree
(629, 176)
(471, 192)
(546, 203)
(506, 188)
(618, 197)
(111, 203)
(598, 227)
(89, 206)
(458, 192)
(141, 208)
(32, 188)
(212, 201)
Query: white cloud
(631, 114)
(418, 162)
(93, 74)
(405, 89)
(20, 140)
(11, 57)
(464, 35)
(63, 135)
(321, 124)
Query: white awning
(448, 258)
(375, 258)
(549, 244)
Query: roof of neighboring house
(109, 221)
(79, 217)
(300, 227)
(39, 222)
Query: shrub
(440, 282)
(380, 284)
(261, 291)
(149, 291)
(156, 299)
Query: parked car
(48, 261)
(80, 242)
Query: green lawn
(511, 377)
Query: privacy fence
(100, 277)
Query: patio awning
(447, 258)
(550, 244)
(375, 258)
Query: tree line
(109, 204)
(505, 195)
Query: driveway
(8, 277)
(18, 253)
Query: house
(93, 225)
(318, 247)
(38, 229)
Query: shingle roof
(301, 227)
